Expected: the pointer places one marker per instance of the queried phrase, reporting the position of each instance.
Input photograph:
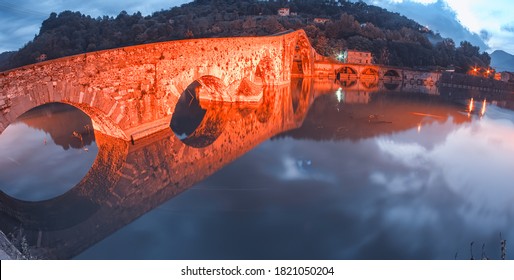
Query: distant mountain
(502, 61)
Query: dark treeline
(393, 39)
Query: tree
(322, 46)
(189, 34)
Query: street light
(475, 71)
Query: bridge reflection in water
(127, 180)
(130, 179)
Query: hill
(393, 39)
(502, 61)
(5, 58)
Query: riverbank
(7, 249)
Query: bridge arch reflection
(36, 144)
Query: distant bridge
(131, 92)
(369, 76)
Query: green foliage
(393, 39)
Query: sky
(488, 24)
(488, 21)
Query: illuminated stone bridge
(131, 92)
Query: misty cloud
(485, 35)
(508, 27)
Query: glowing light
(484, 105)
(419, 127)
(339, 95)
(471, 105)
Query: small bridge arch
(392, 79)
(369, 77)
(392, 73)
(347, 70)
(347, 76)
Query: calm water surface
(360, 176)
(41, 157)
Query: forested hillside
(393, 39)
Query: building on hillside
(41, 57)
(321, 20)
(424, 29)
(356, 57)
(507, 76)
(450, 68)
(284, 12)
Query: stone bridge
(370, 76)
(131, 92)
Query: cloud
(485, 35)
(463, 161)
(480, 15)
(483, 23)
(437, 16)
(509, 27)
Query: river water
(314, 171)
